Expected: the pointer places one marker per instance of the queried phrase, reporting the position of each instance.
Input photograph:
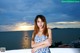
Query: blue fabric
(40, 39)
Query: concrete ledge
(53, 50)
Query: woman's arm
(33, 44)
(48, 42)
(45, 43)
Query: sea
(22, 39)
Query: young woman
(42, 37)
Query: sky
(21, 11)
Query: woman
(42, 37)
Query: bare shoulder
(49, 30)
(50, 33)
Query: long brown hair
(36, 28)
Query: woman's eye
(37, 21)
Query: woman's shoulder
(49, 29)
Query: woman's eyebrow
(37, 20)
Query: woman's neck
(41, 29)
(40, 32)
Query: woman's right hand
(48, 41)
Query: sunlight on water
(25, 40)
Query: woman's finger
(31, 51)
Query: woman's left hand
(34, 50)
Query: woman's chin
(40, 27)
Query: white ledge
(53, 50)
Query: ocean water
(66, 36)
(18, 39)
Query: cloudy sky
(21, 11)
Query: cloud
(13, 11)
(13, 6)
(23, 6)
(19, 10)
(21, 26)
(58, 17)
(74, 24)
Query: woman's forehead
(39, 19)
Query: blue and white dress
(40, 39)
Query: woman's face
(40, 23)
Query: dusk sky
(16, 11)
